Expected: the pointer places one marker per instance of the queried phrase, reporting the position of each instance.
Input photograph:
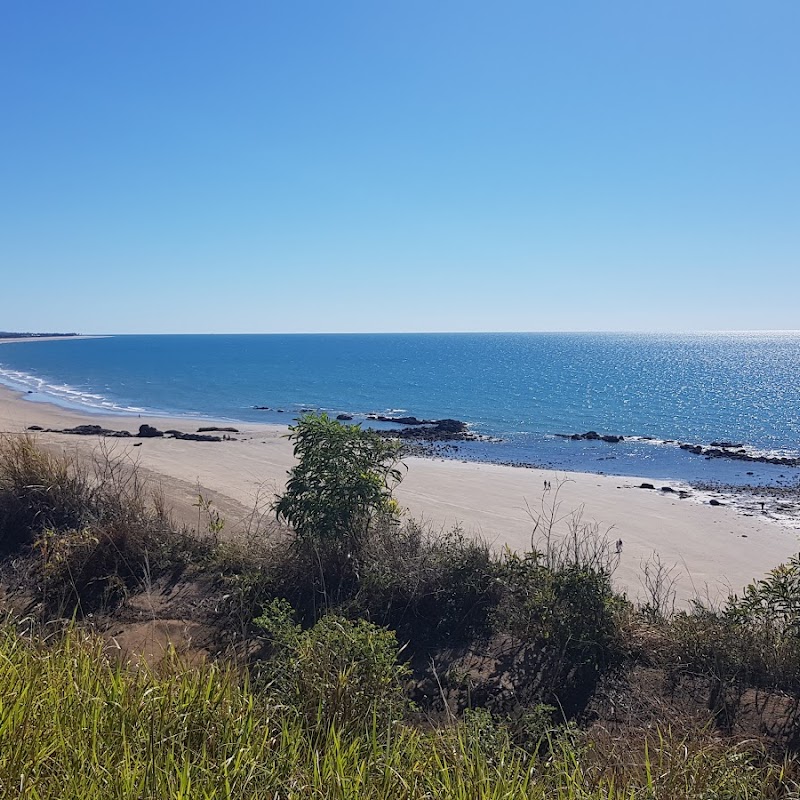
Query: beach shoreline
(712, 549)
(256, 378)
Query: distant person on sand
(619, 546)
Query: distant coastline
(28, 335)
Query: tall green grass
(74, 723)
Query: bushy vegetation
(340, 673)
(382, 659)
(343, 479)
(96, 529)
(74, 723)
(749, 651)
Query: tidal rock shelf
(722, 449)
(145, 432)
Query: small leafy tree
(343, 478)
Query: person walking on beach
(619, 546)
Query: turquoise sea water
(519, 388)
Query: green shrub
(752, 643)
(338, 674)
(567, 619)
(432, 588)
(344, 476)
(75, 724)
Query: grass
(96, 529)
(326, 713)
(76, 724)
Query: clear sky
(399, 165)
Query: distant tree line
(18, 335)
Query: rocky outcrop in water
(402, 420)
(737, 452)
(719, 449)
(439, 430)
(592, 436)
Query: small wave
(749, 450)
(61, 394)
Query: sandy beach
(714, 549)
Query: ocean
(517, 389)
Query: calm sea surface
(520, 388)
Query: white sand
(714, 549)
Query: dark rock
(87, 430)
(450, 426)
(402, 420)
(149, 432)
(646, 486)
(343, 417)
(737, 453)
(35, 428)
(221, 430)
(593, 436)
(667, 489)
(197, 437)
(261, 408)
(432, 431)
(713, 502)
(119, 434)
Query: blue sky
(399, 166)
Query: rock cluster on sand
(145, 432)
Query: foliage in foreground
(75, 724)
(96, 529)
(749, 650)
(338, 674)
